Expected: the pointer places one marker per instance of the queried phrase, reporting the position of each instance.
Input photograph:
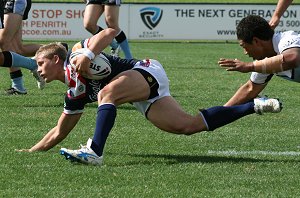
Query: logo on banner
(151, 16)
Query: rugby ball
(99, 66)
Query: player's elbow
(248, 87)
(295, 60)
(291, 59)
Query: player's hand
(274, 22)
(82, 64)
(236, 65)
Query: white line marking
(254, 152)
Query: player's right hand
(236, 65)
(82, 64)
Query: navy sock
(7, 59)
(98, 30)
(219, 116)
(104, 122)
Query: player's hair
(52, 49)
(254, 26)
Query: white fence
(64, 21)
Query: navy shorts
(104, 2)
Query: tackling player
(274, 54)
(143, 83)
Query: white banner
(64, 21)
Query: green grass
(141, 160)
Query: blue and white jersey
(281, 42)
(82, 90)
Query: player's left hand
(235, 65)
(82, 65)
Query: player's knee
(89, 27)
(106, 95)
(114, 26)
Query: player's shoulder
(287, 39)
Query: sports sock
(219, 116)
(17, 80)
(12, 59)
(105, 120)
(123, 42)
(114, 45)
(98, 30)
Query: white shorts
(157, 71)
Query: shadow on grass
(177, 159)
(61, 104)
(165, 159)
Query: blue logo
(151, 16)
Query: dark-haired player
(275, 54)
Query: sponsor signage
(154, 21)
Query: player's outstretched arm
(245, 93)
(64, 126)
(289, 59)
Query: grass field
(257, 156)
